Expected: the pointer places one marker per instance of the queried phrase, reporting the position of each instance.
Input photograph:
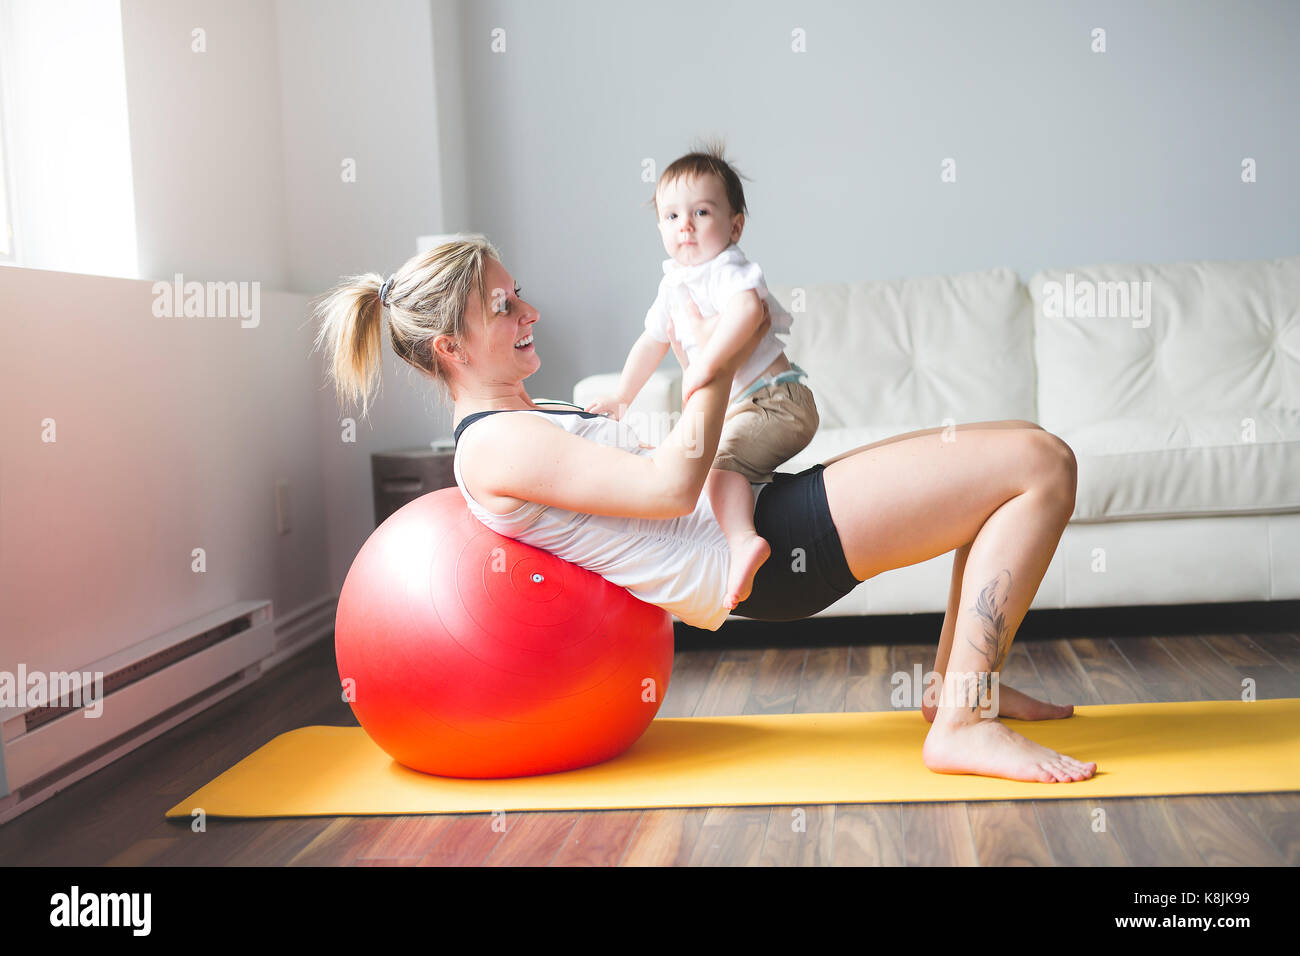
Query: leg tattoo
(990, 607)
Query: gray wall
(1064, 156)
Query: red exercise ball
(471, 654)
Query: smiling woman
(429, 296)
(584, 488)
(456, 314)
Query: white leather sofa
(1177, 386)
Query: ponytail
(350, 315)
(427, 297)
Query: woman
(998, 493)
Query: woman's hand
(677, 346)
(688, 313)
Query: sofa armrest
(653, 412)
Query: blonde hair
(427, 297)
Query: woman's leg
(1011, 702)
(1007, 492)
(1011, 423)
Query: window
(6, 219)
(68, 197)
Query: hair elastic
(384, 290)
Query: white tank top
(679, 564)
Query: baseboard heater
(148, 688)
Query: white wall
(173, 432)
(1064, 156)
(170, 435)
(357, 83)
(206, 140)
(239, 154)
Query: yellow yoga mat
(1140, 750)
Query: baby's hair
(429, 296)
(707, 159)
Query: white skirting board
(39, 762)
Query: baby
(700, 206)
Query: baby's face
(695, 220)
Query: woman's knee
(1055, 465)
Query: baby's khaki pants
(767, 429)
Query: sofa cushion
(1198, 463)
(926, 349)
(1163, 341)
(1211, 463)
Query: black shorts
(806, 571)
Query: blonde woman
(582, 486)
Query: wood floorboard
(665, 837)
(868, 687)
(1076, 833)
(776, 685)
(1163, 677)
(1007, 833)
(1223, 833)
(1148, 831)
(1062, 676)
(599, 838)
(799, 836)
(1113, 678)
(730, 683)
(1214, 677)
(731, 836)
(114, 817)
(691, 671)
(868, 834)
(532, 839)
(467, 840)
(938, 834)
(1251, 660)
(1278, 817)
(343, 842)
(824, 682)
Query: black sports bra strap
(468, 419)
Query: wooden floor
(115, 817)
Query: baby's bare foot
(748, 552)
(1015, 704)
(991, 749)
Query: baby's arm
(644, 358)
(731, 331)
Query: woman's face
(493, 355)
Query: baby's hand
(611, 405)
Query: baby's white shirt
(711, 284)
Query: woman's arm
(521, 456)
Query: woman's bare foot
(1016, 705)
(748, 552)
(989, 748)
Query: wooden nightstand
(402, 476)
